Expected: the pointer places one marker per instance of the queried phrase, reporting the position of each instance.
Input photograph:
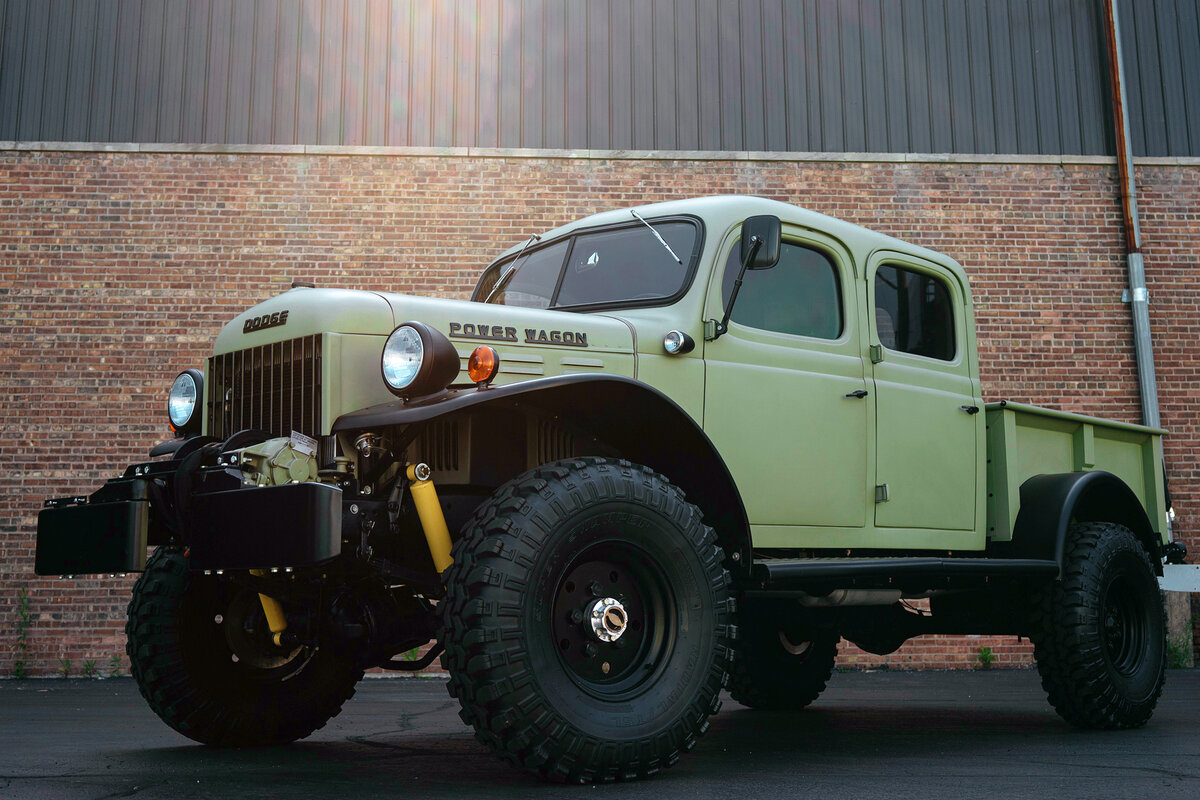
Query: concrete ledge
(586, 155)
(1180, 578)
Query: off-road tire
(546, 709)
(1099, 632)
(183, 664)
(766, 675)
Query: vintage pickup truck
(662, 450)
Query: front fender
(632, 418)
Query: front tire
(1100, 633)
(587, 622)
(200, 653)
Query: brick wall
(117, 269)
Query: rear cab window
(914, 313)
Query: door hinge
(881, 493)
(876, 351)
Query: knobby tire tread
(168, 682)
(764, 679)
(1069, 655)
(485, 656)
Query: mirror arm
(723, 326)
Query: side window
(800, 295)
(533, 283)
(914, 313)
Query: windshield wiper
(661, 240)
(533, 237)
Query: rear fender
(1051, 503)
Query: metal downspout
(1178, 603)
(1139, 297)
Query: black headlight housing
(185, 401)
(418, 360)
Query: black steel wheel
(587, 622)
(782, 663)
(201, 653)
(1100, 633)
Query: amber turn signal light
(483, 365)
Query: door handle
(970, 409)
(860, 394)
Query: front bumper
(78, 537)
(223, 524)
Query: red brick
(118, 269)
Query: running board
(819, 576)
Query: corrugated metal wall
(940, 76)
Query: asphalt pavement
(880, 734)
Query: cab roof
(719, 212)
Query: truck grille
(275, 388)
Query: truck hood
(304, 312)
(531, 342)
(469, 324)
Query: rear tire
(1100, 633)
(780, 666)
(529, 593)
(198, 650)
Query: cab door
(786, 400)
(928, 414)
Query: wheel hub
(608, 619)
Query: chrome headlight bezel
(437, 362)
(402, 358)
(184, 401)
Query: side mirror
(760, 250)
(765, 229)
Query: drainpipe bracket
(1140, 295)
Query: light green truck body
(685, 447)
(903, 468)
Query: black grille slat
(274, 388)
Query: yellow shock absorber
(273, 611)
(429, 510)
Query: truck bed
(1024, 440)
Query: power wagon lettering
(496, 333)
(572, 338)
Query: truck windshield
(623, 265)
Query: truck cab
(875, 340)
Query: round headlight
(402, 357)
(184, 399)
(418, 360)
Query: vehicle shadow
(741, 745)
